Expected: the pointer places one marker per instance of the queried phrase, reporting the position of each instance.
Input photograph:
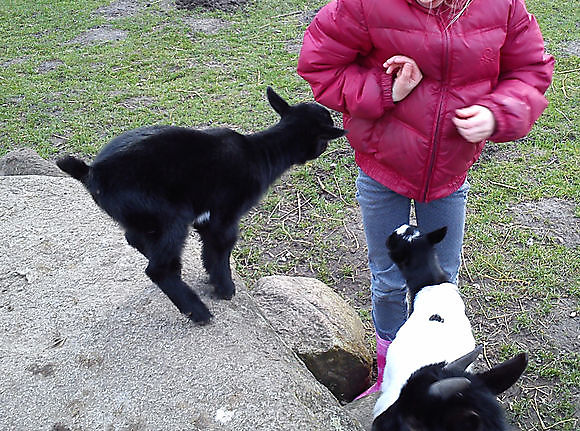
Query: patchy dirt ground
(551, 219)
(120, 9)
(100, 34)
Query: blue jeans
(382, 212)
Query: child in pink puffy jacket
(422, 84)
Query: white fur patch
(202, 218)
(421, 341)
(402, 231)
(223, 416)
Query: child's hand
(408, 75)
(475, 123)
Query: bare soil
(99, 34)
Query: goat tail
(76, 168)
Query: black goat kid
(156, 181)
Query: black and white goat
(425, 387)
(156, 181)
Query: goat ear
(437, 235)
(504, 375)
(333, 133)
(279, 104)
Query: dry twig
(324, 189)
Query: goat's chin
(321, 148)
(314, 155)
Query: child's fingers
(462, 124)
(467, 112)
(398, 59)
(395, 68)
(395, 63)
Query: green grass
(520, 280)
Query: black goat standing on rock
(156, 181)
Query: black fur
(417, 259)
(474, 408)
(156, 181)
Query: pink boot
(382, 346)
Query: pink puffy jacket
(493, 56)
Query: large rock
(362, 409)
(25, 161)
(321, 328)
(88, 342)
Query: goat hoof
(224, 294)
(200, 314)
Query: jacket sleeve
(329, 60)
(525, 74)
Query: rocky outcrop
(362, 409)
(88, 342)
(321, 328)
(25, 161)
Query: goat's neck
(275, 150)
(416, 280)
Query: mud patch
(98, 35)
(572, 48)
(550, 339)
(120, 9)
(205, 25)
(48, 66)
(344, 266)
(505, 152)
(14, 62)
(304, 19)
(137, 102)
(564, 327)
(553, 218)
(225, 5)
(307, 17)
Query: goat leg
(221, 277)
(217, 245)
(163, 250)
(166, 275)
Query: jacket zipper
(441, 99)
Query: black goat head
(414, 254)
(311, 125)
(407, 241)
(309, 114)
